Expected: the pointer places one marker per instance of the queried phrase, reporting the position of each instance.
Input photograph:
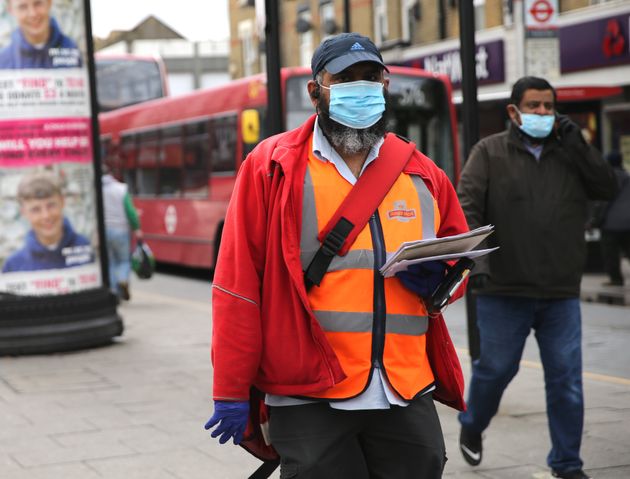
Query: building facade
(189, 65)
(581, 46)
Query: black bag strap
(354, 212)
(265, 469)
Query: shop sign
(541, 18)
(490, 65)
(596, 44)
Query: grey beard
(352, 141)
(349, 140)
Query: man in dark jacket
(532, 182)
(51, 243)
(38, 41)
(616, 225)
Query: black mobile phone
(454, 278)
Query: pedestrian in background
(616, 225)
(532, 182)
(121, 218)
(344, 365)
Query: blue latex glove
(231, 417)
(423, 278)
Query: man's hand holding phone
(569, 132)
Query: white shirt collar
(323, 150)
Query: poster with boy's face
(48, 227)
(41, 34)
(48, 244)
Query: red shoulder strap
(354, 212)
(371, 187)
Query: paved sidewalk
(136, 409)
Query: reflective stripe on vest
(344, 302)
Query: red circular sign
(541, 11)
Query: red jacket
(264, 332)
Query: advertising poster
(48, 219)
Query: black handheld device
(456, 275)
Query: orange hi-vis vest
(369, 319)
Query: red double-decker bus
(179, 156)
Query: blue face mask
(536, 126)
(358, 104)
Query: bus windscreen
(122, 82)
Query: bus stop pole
(96, 150)
(346, 16)
(272, 47)
(470, 130)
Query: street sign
(541, 17)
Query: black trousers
(316, 441)
(614, 244)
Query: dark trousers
(614, 243)
(504, 325)
(316, 441)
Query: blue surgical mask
(536, 126)
(358, 104)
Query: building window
(480, 14)
(305, 37)
(327, 19)
(508, 13)
(410, 15)
(380, 21)
(248, 46)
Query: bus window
(146, 181)
(148, 163)
(420, 112)
(299, 106)
(169, 181)
(127, 161)
(148, 148)
(171, 155)
(172, 150)
(124, 80)
(223, 132)
(196, 160)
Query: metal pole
(272, 47)
(96, 147)
(470, 129)
(346, 16)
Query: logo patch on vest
(400, 212)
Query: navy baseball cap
(337, 53)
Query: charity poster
(48, 216)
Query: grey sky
(194, 19)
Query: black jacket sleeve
(597, 175)
(472, 191)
